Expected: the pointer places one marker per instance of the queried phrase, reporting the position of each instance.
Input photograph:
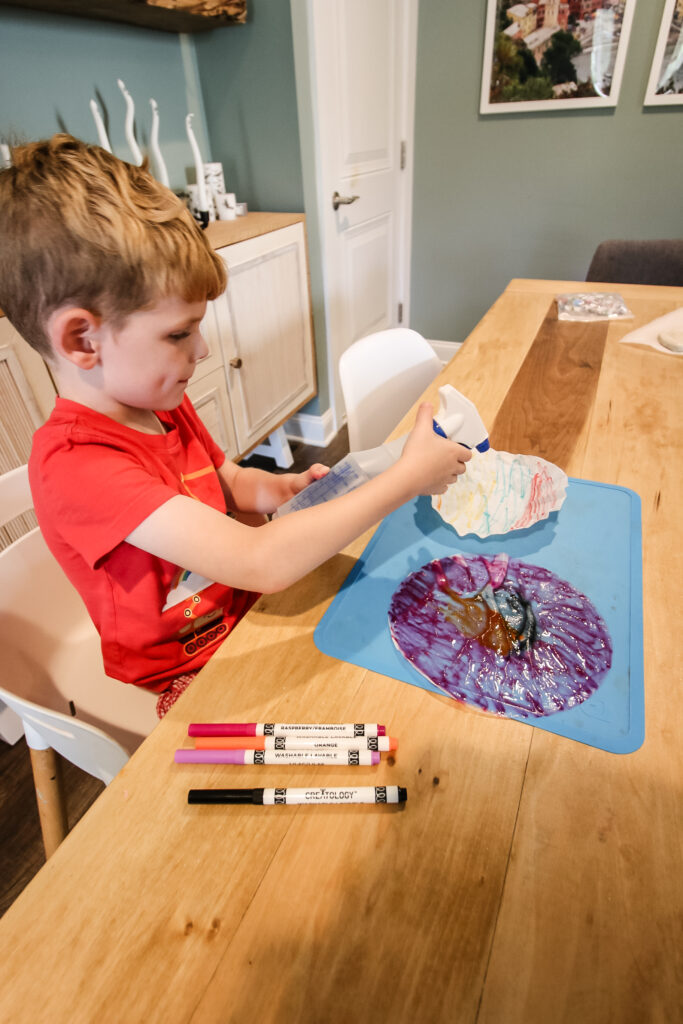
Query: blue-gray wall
(238, 80)
(495, 196)
(247, 77)
(52, 65)
(527, 195)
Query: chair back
(381, 376)
(51, 659)
(658, 261)
(81, 744)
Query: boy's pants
(170, 695)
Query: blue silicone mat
(593, 542)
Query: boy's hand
(293, 483)
(255, 490)
(434, 462)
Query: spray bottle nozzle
(459, 420)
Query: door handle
(338, 200)
(236, 363)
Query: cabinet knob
(236, 363)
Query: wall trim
(307, 428)
(445, 350)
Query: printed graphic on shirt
(184, 477)
(185, 585)
(203, 629)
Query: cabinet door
(264, 321)
(27, 396)
(32, 376)
(209, 396)
(209, 329)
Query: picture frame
(665, 85)
(554, 54)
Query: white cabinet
(30, 374)
(264, 326)
(260, 332)
(209, 396)
(27, 396)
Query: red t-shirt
(94, 480)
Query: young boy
(104, 272)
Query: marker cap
(223, 796)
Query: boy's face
(147, 363)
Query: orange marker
(295, 743)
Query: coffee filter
(502, 492)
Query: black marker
(323, 795)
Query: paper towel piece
(670, 327)
(502, 492)
(500, 634)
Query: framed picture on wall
(666, 76)
(554, 54)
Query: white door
(361, 62)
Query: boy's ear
(73, 333)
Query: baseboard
(319, 431)
(445, 350)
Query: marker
(270, 797)
(345, 757)
(295, 743)
(284, 729)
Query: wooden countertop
(227, 232)
(529, 879)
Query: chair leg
(47, 780)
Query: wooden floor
(21, 846)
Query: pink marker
(339, 757)
(331, 730)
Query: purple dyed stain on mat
(500, 634)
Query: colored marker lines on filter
(330, 729)
(338, 757)
(383, 743)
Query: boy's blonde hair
(79, 226)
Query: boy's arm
(253, 490)
(197, 537)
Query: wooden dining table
(528, 877)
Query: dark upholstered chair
(650, 262)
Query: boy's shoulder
(72, 427)
(77, 450)
(66, 414)
(80, 423)
(71, 423)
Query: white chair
(51, 671)
(381, 376)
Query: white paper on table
(502, 492)
(649, 334)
